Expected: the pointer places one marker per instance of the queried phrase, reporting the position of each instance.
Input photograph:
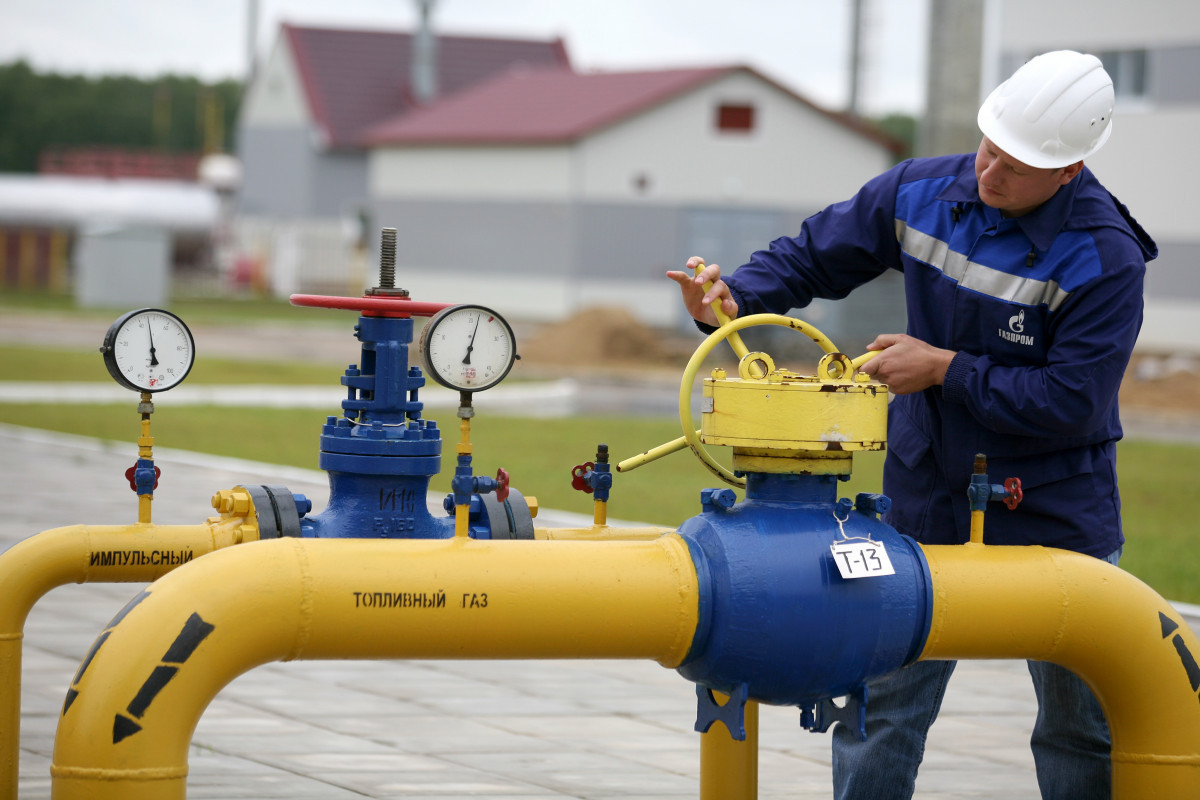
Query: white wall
(527, 298)
(1101, 24)
(796, 157)
(1146, 164)
(276, 97)
(503, 173)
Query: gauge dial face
(468, 348)
(149, 350)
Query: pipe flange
(275, 508)
(508, 519)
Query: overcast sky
(803, 44)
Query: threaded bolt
(387, 259)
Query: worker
(1023, 289)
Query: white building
(550, 191)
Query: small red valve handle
(129, 476)
(502, 484)
(579, 476)
(1014, 494)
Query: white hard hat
(1053, 111)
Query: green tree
(174, 114)
(902, 127)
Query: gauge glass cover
(469, 348)
(149, 350)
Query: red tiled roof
(538, 106)
(356, 78)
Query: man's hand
(699, 302)
(906, 364)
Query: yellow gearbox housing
(781, 422)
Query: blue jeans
(1070, 740)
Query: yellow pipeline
(145, 450)
(137, 553)
(601, 533)
(325, 599)
(1127, 643)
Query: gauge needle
(153, 358)
(471, 344)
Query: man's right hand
(699, 302)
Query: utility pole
(251, 39)
(953, 78)
(856, 35)
(424, 59)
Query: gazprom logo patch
(1016, 330)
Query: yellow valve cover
(794, 413)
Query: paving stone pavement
(590, 730)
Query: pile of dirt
(612, 339)
(605, 337)
(1162, 383)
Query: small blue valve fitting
(981, 492)
(600, 477)
(145, 476)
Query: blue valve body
(777, 616)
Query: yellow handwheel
(690, 434)
(834, 366)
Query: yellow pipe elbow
(127, 733)
(1127, 643)
(79, 554)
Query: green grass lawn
(196, 310)
(19, 363)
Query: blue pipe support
(778, 623)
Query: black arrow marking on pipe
(123, 727)
(1169, 626)
(158, 679)
(194, 631)
(1189, 661)
(124, 612)
(73, 693)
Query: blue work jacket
(1042, 311)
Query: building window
(735, 118)
(1127, 68)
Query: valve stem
(387, 266)
(387, 259)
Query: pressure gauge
(149, 350)
(468, 348)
